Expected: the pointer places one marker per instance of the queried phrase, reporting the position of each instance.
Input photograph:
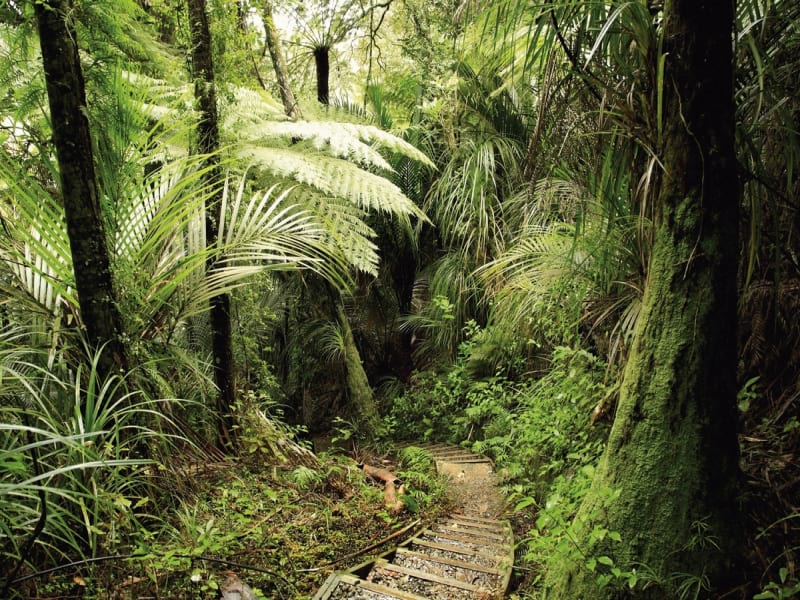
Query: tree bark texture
(72, 140)
(360, 396)
(208, 145)
(672, 454)
(322, 61)
(279, 63)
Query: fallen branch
(137, 555)
(377, 544)
(391, 487)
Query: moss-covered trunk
(359, 392)
(672, 454)
(71, 137)
(208, 145)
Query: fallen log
(392, 487)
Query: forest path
(466, 555)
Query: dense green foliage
(457, 248)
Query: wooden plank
(482, 534)
(462, 538)
(456, 549)
(452, 450)
(450, 561)
(497, 526)
(462, 585)
(380, 589)
(324, 592)
(476, 519)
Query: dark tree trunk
(90, 258)
(672, 453)
(322, 62)
(279, 63)
(208, 144)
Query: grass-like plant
(73, 469)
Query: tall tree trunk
(360, 396)
(672, 455)
(208, 144)
(90, 258)
(322, 61)
(362, 400)
(279, 63)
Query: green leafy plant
(787, 586)
(73, 480)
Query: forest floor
(281, 531)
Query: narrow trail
(466, 555)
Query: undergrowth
(103, 496)
(537, 430)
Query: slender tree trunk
(322, 61)
(360, 396)
(90, 258)
(672, 455)
(208, 144)
(362, 400)
(279, 63)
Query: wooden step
(496, 527)
(419, 574)
(465, 539)
(476, 533)
(474, 519)
(343, 579)
(449, 561)
(455, 549)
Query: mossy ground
(288, 525)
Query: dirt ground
(474, 489)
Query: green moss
(658, 458)
(362, 400)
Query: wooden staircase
(468, 554)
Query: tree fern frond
(335, 177)
(346, 228)
(343, 140)
(323, 138)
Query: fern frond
(343, 140)
(346, 228)
(335, 177)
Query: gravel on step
(480, 560)
(345, 591)
(407, 583)
(484, 580)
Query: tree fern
(335, 177)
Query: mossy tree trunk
(360, 396)
(72, 140)
(208, 145)
(672, 455)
